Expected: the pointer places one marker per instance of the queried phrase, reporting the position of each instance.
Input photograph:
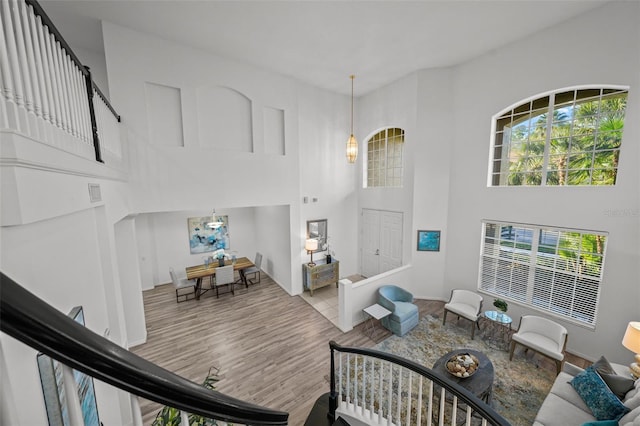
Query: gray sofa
(564, 407)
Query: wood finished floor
(272, 349)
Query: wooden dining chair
(224, 277)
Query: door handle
(377, 252)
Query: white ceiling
(323, 42)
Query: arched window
(384, 158)
(568, 137)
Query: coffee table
(480, 384)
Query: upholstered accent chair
(543, 336)
(466, 304)
(185, 289)
(404, 314)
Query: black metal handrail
(35, 323)
(484, 410)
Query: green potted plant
(500, 305)
(170, 416)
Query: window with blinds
(555, 270)
(384, 158)
(565, 138)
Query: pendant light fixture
(215, 221)
(352, 143)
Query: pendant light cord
(352, 77)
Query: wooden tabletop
(199, 271)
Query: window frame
(539, 279)
(499, 173)
(382, 172)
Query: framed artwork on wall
(428, 240)
(53, 387)
(204, 238)
(317, 229)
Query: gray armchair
(404, 314)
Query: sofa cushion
(601, 423)
(632, 400)
(556, 411)
(630, 417)
(562, 388)
(603, 403)
(618, 384)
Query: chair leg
(444, 317)
(559, 366)
(513, 346)
(473, 329)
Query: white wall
(198, 176)
(600, 47)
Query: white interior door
(390, 240)
(381, 236)
(370, 242)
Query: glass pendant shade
(352, 143)
(352, 149)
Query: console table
(320, 275)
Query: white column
(345, 316)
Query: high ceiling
(323, 42)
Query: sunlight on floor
(325, 300)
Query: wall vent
(94, 193)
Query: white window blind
(550, 269)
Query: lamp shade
(631, 339)
(311, 245)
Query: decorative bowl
(462, 365)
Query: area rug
(519, 386)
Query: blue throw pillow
(603, 403)
(602, 423)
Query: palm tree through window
(570, 137)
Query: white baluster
(469, 412)
(48, 80)
(8, 106)
(380, 400)
(389, 396)
(28, 40)
(86, 115)
(348, 379)
(363, 404)
(58, 57)
(419, 406)
(443, 395)
(430, 405)
(355, 382)
(73, 94)
(184, 417)
(340, 378)
(22, 56)
(41, 97)
(399, 395)
(454, 410)
(409, 397)
(54, 78)
(372, 380)
(16, 78)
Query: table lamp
(631, 341)
(310, 246)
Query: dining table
(198, 272)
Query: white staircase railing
(45, 91)
(370, 387)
